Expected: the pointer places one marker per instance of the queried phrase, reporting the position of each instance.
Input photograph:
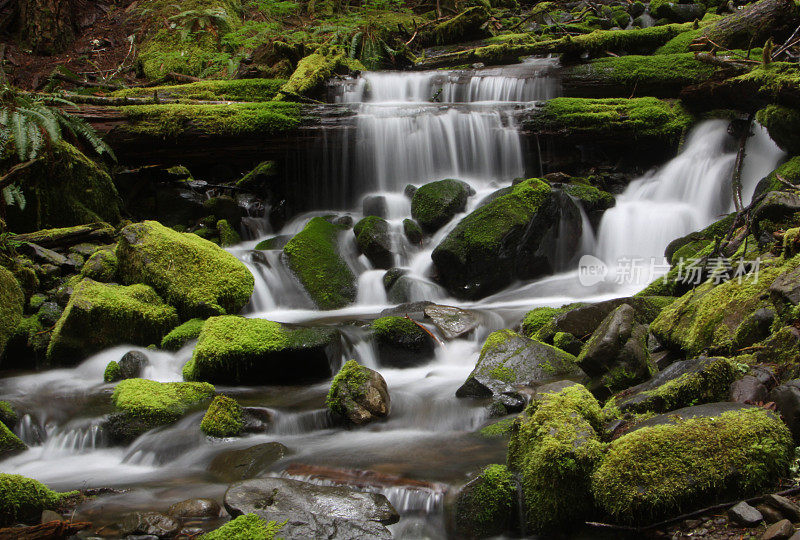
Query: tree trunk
(753, 25)
(48, 25)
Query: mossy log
(753, 25)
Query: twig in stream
(426, 331)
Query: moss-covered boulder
(498, 242)
(181, 335)
(23, 499)
(194, 275)
(113, 372)
(62, 190)
(100, 315)
(412, 231)
(227, 234)
(313, 255)
(401, 342)
(358, 394)
(245, 527)
(782, 124)
(12, 301)
(487, 505)
(9, 443)
(314, 70)
(224, 418)
(236, 350)
(143, 404)
(374, 241)
(435, 203)
(554, 449)
(616, 356)
(101, 266)
(508, 362)
(685, 460)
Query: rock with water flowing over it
(101, 315)
(312, 511)
(616, 356)
(11, 304)
(509, 361)
(402, 342)
(358, 394)
(196, 276)
(451, 321)
(235, 465)
(487, 505)
(374, 241)
(435, 203)
(238, 350)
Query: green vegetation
(12, 300)
(664, 70)
(351, 378)
(484, 506)
(159, 403)
(23, 499)
(227, 234)
(782, 124)
(313, 256)
(9, 443)
(112, 373)
(497, 430)
(180, 335)
(253, 90)
(435, 203)
(101, 266)
(668, 469)
(100, 315)
(314, 70)
(537, 318)
(223, 418)
(245, 527)
(196, 276)
(395, 329)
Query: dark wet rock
(49, 313)
(787, 508)
(781, 530)
(392, 275)
(151, 523)
(745, 515)
(132, 364)
(748, 389)
(451, 321)
(509, 361)
(770, 514)
(787, 402)
(256, 419)
(195, 508)
(412, 231)
(616, 356)
(409, 190)
(776, 205)
(765, 375)
(786, 288)
(344, 221)
(225, 208)
(42, 255)
(415, 310)
(402, 342)
(374, 241)
(275, 242)
(358, 394)
(568, 343)
(235, 465)
(375, 205)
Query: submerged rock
(312, 511)
(435, 203)
(196, 276)
(235, 465)
(100, 315)
(358, 394)
(401, 342)
(237, 350)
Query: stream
(469, 132)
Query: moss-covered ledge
(252, 90)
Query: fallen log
(69, 236)
(753, 25)
(44, 531)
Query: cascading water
(401, 136)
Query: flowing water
(409, 128)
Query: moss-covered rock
(358, 394)
(101, 266)
(374, 241)
(143, 404)
(537, 318)
(487, 505)
(498, 241)
(64, 189)
(782, 124)
(245, 527)
(23, 499)
(435, 203)
(113, 372)
(180, 335)
(227, 234)
(567, 343)
(412, 231)
(673, 465)
(467, 25)
(100, 315)
(252, 90)
(224, 418)
(196, 276)
(314, 70)
(12, 301)
(401, 342)
(8, 416)
(9, 443)
(236, 350)
(554, 449)
(313, 256)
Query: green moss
(100, 315)
(9, 443)
(251, 179)
(538, 318)
(497, 430)
(783, 125)
(158, 403)
(194, 275)
(23, 499)
(352, 376)
(245, 527)
(435, 203)
(676, 70)
(493, 495)
(223, 418)
(314, 258)
(314, 70)
(12, 301)
(180, 335)
(252, 90)
(637, 117)
(590, 197)
(394, 328)
(503, 373)
(112, 373)
(101, 266)
(555, 449)
(8, 415)
(789, 171)
(252, 351)
(227, 235)
(175, 120)
(668, 469)
(464, 26)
